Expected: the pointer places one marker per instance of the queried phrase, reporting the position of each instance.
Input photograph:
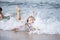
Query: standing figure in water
(1, 14)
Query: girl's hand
(18, 9)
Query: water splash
(45, 14)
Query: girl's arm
(18, 14)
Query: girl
(1, 15)
(27, 27)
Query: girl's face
(31, 20)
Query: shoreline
(11, 35)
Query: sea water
(46, 13)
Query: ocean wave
(38, 5)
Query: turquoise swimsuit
(5, 18)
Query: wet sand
(10, 35)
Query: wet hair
(30, 17)
(1, 12)
(27, 20)
(0, 9)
